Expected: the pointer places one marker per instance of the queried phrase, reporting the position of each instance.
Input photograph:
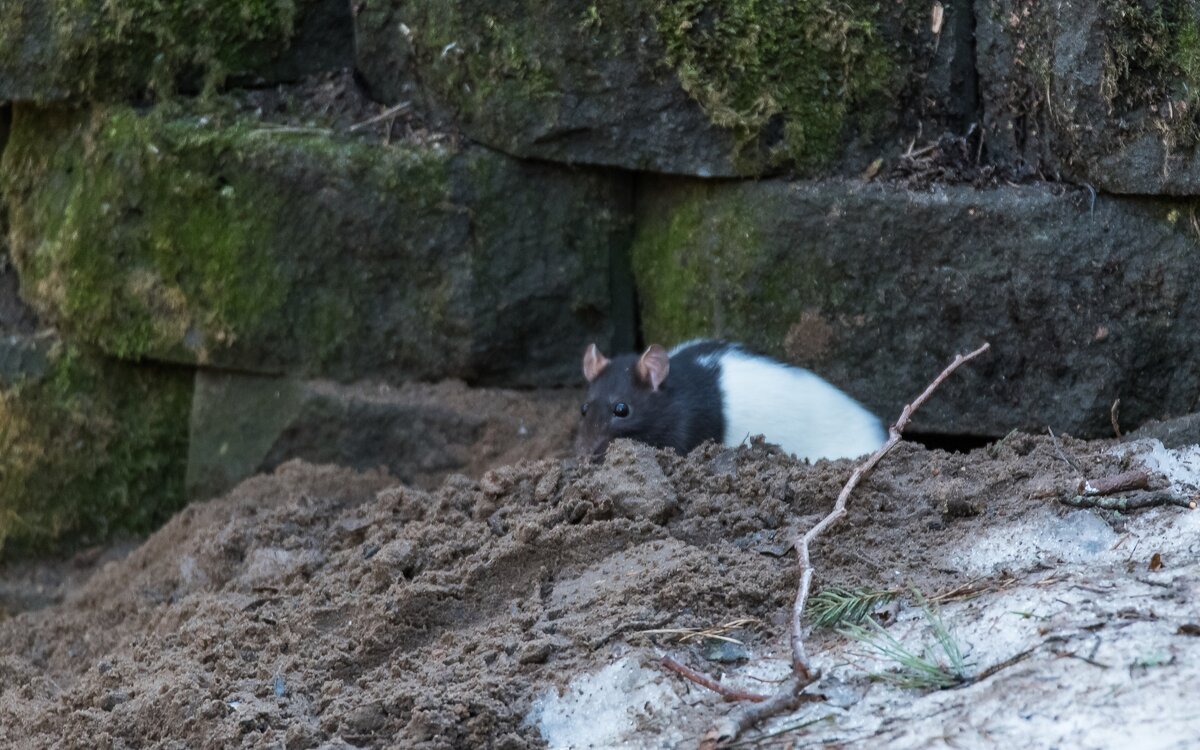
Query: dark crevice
(5, 124)
(968, 64)
(950, 443)
(628, 334)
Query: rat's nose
(590, 448)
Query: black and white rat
(713, 390)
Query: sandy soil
(320, 607)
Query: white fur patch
(793, 408)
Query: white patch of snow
(605, 709)
(1040, 538)
(1181, 466)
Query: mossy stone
(877, 288)
(55, 50)
(229, 243)
(88, 448)
(701, 87)
(1104, 92)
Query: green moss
(135, 246)
(1152, 68)
(706, 265)
(114, 49)
(791, 81)
(807, 65)
(161, 235)
(490, 60)
(93, 448)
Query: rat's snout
(590, 446)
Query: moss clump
(130, 244)
(1152, 68)
(91, 448)
(803, 66)
(787, 82)
(113, 49)
(488, 62)
(168, 236)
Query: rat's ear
(654, 366)
(593, 363)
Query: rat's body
(710, 390)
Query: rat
(713, 390)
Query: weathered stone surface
(1105, 92)
(1173, 433)
(732, 87)
(88, 447)
(54, 50)
(22, 354)
(877, 288)
(23, 357)
(420, 433)
(306, 253)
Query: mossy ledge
(90, 448)
(214, 240)
(802, 69)
(740, 86)
(106, 51)
(164, 236)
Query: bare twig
(704, 680)
(385, 114)
(999, 666)
(803, 673)
(1114, 411)
(268, 129)
(1058, 447)
(1130, 502)
(1137, 479)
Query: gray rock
(1093, 91)
(68, 50)
(22, 353)
(89, 447)
(705, 89)
(24, 357)
(420, 433)
(877, 288)
(1173, 433)
(311, 254)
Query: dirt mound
(322, 607)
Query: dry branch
(384, 115)
(1137, 479)
(1130, 502)
(704, 680)
(788, 697)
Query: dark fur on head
(669, 403)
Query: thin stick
(704, 680)
(1130, 502)
(1137, 479)
(803, 673)
(1112, 413)
(385, 114)
(1063, 456)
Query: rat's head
(624, 399)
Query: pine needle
(936, 666)
(833, 607)
(715, 632)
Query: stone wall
(277, 200)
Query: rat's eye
(621, 409)
(583, 409)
